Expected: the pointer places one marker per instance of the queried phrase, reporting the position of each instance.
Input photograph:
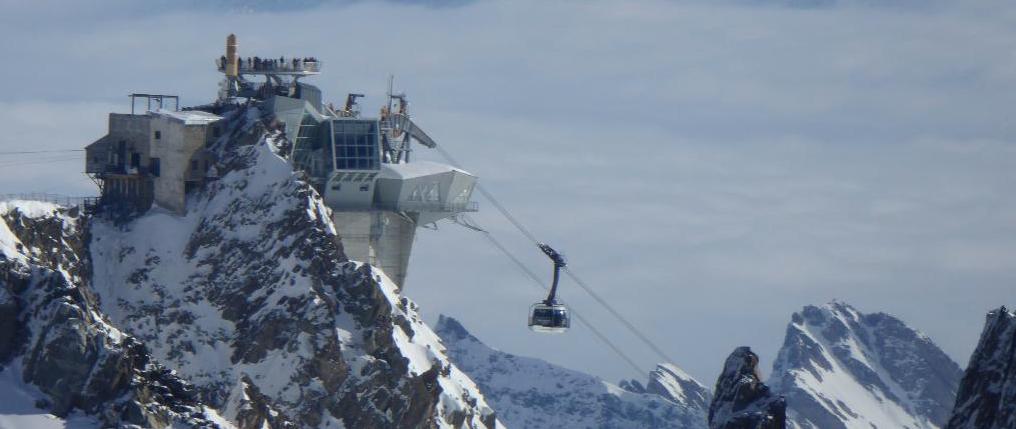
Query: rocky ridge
(528, 392)
(987, 393)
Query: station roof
(416, 169)
(189, 117)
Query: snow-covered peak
(528, 392)
(671, 382)
(841, 368)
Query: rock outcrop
(840, 368)
(531, 393)
(741, 400)
(987, 394)
(53, 337)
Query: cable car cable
(623, 320)
(525, 231)
(536, 280)
(494, 201)
(29, 152)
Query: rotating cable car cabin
(550, 316)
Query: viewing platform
(273, 66)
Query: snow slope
(840, 368)
(531, 393)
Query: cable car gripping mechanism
(559, 263)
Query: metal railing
(270, 66)
(58, 199)
(438, 206)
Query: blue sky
(709, 167)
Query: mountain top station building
(360, 165)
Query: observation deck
(274, 66)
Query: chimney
(232, 62)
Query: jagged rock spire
(987, 394)
(741, 400)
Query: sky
(707, 167)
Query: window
(356, 145)
(158, 135)
(215, 131)
(135, 160)
(194, 164)
(364, 188)
(156, 168)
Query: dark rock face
(987, 394)
(839, 368)
(741, 400)
(531, 393)
(49, 322)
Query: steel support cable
(652, 346)
(45, 161)
(29, 152)
(536, 280)
(525, 231)
(494, 201)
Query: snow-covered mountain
(531, 393)
(840, 368)
(741, 400)
(987, 395)
(248, 300)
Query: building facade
(152, 158)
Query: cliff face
(741, 400)
(248, 297)
(58, 353)
(840, 368)
(987, 394)
(532, 393)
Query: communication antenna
(391, 83)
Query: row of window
(356, 145)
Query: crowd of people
(270, 64)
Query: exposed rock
(531, 393)
(63, 346)
(741, 400)
(987, 394)
(839, 368)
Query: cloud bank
(709, 168)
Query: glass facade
(356, 145)
(309, 153)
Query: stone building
(155, 157)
